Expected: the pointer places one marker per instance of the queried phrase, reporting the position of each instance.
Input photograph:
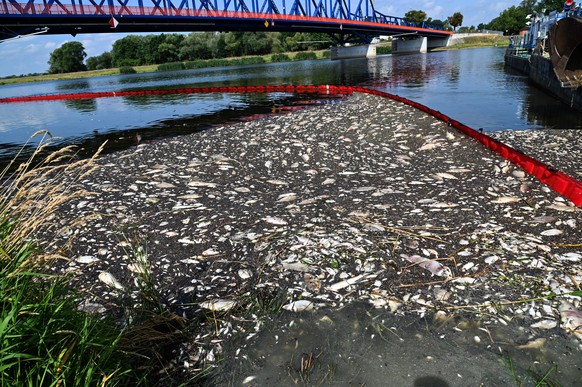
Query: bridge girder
(94, 16)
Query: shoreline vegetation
(382, 49)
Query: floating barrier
(560, 182)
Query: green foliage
(45, 340)
(129, 51)
(326, 54)
(383, 50)
(280, 58)
(100, 62)
(456, 20)
(68, 58)
(305, 56)
(510, 21)
(127, 70)
(549, 6)
(173, 66)
(417, 17)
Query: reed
(45, 340)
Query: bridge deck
(53, 17)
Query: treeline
(512, 19)
(138, 50)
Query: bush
(309, 55)
(127, 70)
(382, 50)
(280, 58)
(326, 54)
(172, 66)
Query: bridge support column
(407, 46)
(420, 44)
(364, 51)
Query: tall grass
(44, 339)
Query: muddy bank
(364, 200)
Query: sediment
(365, 199)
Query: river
(469, 85)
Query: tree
(510, 20)
(128, 51)
(416, 16)
(68, 58)
(456, 20)
(99, 62)
(549, 6)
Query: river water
(471, 86)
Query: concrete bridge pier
(345, 52)
(420, 44)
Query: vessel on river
(550, 53)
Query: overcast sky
(31, 54)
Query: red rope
(563, 184)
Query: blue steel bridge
(357, 18)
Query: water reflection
(82, 105)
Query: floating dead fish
(443, 205)
(109, 280)
(287, 197)
(347, 282)
(563, 207)
(430, 146)
(545, 324)
(190, 196)
(219, 305)
(277, 182)
(275, 220)
(506, 199)
(196, 183)
(552, 232)
(328, 181)
(434, 267)
(87, 259)
(572, 257)
(165, 185)
(299, 306)
(210, 252)
(571, 318)
(242, 189)
(445, 175)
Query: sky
(31, 54)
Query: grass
(45, 340)
(490, 40)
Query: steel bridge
(343, 17)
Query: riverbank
(363, 200)
(321, 54)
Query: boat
(550, 53)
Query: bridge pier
(363, 51)
(421, 44)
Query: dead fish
(571, 318)
(299, 306)
(196, 183)
(552, 232)
(220, 305)
(277, 182)
(434, 267)
(275, 220)
(445, 175)
(506, 199)
(430, 146)
(287, 197)
(110, 280)
(87, 259)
